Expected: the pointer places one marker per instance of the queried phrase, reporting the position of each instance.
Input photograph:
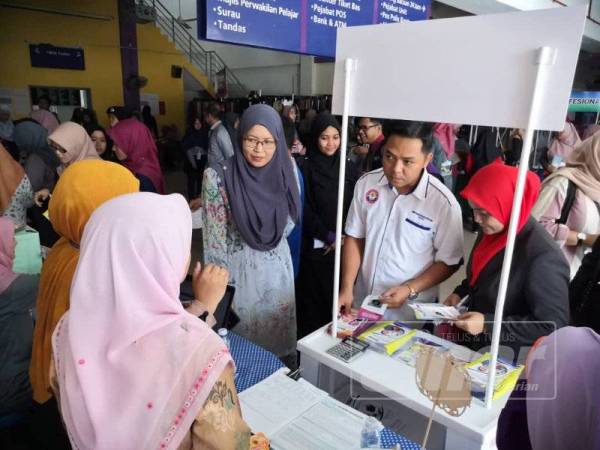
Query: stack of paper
(329, 425)
(370, 312)
(295, 415)
(350, 325)
(507, 376)
(387, 337)
(420, 341)
(275, 401)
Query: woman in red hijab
(135, 148)
(537, 299)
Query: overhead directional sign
(299, 26)
(46, 55)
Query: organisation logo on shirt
(372, 196)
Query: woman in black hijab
(195, 146)
(103, 143)
(250, 204)
(485, 150)
(116, 114)
(314, 289)
(150, 121)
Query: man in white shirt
(404, 231)
(220, 146)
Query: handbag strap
(568, 203)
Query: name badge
(419, 220)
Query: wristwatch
(581, 237)
(413, 294)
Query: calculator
(349, 349)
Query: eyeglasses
(367, 127)
(267, 144)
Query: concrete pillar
(306, 75)
(129, 52)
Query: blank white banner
(469, 70)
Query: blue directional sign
(299, 26)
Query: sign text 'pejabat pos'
(298, 26)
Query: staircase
(209, 62)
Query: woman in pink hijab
(134, 146)
(446, 135)
(579, 230)
(590, 131)
(561, 147)
(46, 119)
(134, 369)
(71, 143)
(17, 300)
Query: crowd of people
(98, 350)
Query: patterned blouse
(21, 200)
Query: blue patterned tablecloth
(254, 364)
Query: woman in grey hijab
(40, 160)
(40, 163)
(251, 202)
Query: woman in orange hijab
(82, 188)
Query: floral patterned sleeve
(19, 202)
(220, 424)
(214, 219)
